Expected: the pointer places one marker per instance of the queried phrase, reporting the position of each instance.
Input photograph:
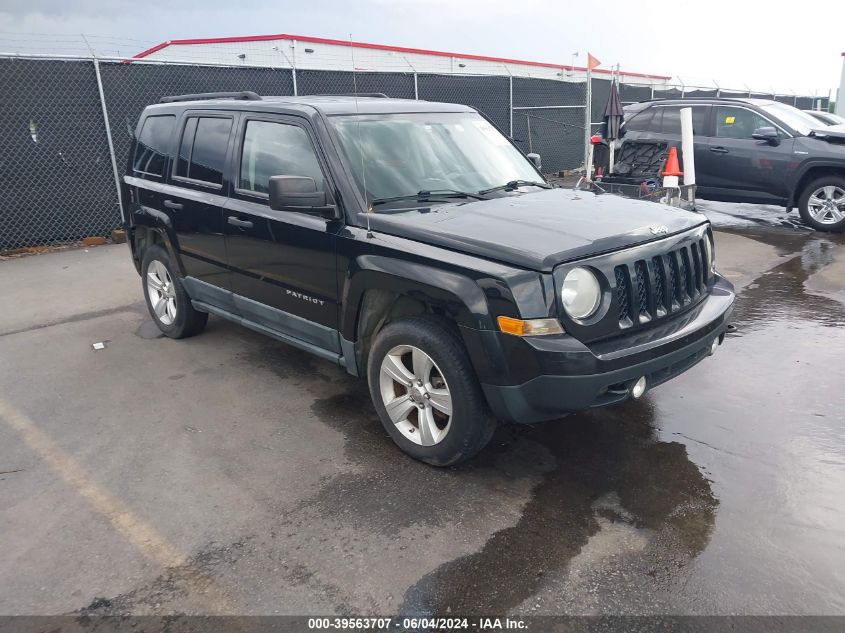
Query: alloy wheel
(827, 204)
(415, 395)
(161, 292)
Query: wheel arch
(810, 173)
(151, 227)
(383, 289)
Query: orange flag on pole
(592, 62)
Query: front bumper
(570, 376)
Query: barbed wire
(267, 53)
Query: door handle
(719, 150)
(243, 224)
(176, 206)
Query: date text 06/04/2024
(381, 624)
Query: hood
(831, 133)
(541, 229)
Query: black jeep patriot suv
(415, 245)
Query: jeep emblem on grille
(658, 230)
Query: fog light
(714, 345)
(639, 388)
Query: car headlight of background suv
(581, 293)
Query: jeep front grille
(651, 289)
(622, 291)
(642, 290)
(659, 283)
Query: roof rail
(243, 95)
(378, 95)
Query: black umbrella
(613, 114)
(613, 117)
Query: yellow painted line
(138, 532)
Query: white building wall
(284, 53)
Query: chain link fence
(59, 164)
(55, 168)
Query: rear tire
(418, 368)
(822, 204)
(168, 303)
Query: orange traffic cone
(672, 168)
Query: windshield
(797, 119)
(404, 154)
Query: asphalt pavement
(232, 474)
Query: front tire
(167, 301)
(822, 204)
(425, 392)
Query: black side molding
(243, 95)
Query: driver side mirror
(299, 193)
(768, 134)
(535, 158)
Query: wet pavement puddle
(720, 492)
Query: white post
(611, 156)
(688, 152)
(588, 116)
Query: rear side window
(667, 120)
(202, 150)
(154, 143)
(276, 149)
(641, 122)
(671, 122)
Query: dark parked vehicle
(754, 150)
(828, 118)
(415, 245)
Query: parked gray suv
(755, 150)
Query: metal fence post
(416, 87)
(108, 137)
(510, 101)
(293, 66)
(528, 125)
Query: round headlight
(581, 293)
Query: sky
(763, 45)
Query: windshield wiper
(516, 184)
(430, 196)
